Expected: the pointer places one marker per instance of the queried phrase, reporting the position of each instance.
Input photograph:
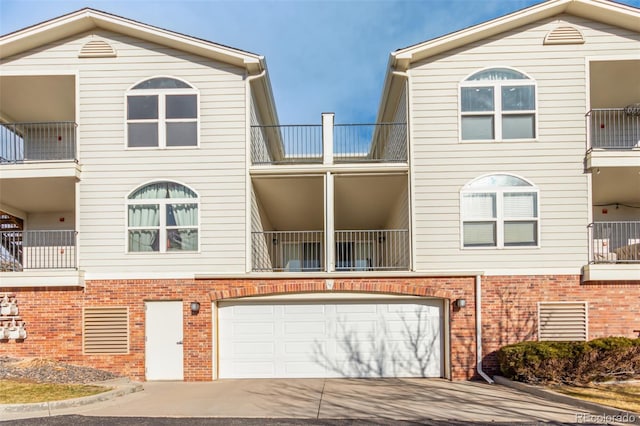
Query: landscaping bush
(575, 363)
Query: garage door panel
(253, 350)
(304, 310)
(338, 339)
(305, 328)
(355, 308)
(257, 309)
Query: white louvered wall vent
(97, 49)
(105, 330)
(562, 321)
(564, 35)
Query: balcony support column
(329, 225)
(327, 137)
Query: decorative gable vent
(562, 321)
(564, 35)
(97, 49)
(106, 330)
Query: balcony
(25, 250)
(614, 251)
(372, 250)
(615, 242)
(287, 251)
(614, 137)
(42, 149)
(329, 144)
(355, 250)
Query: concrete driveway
(399, 399)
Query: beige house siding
(554, 162)
(215, 170)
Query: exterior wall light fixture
(460, 303)
(195, 308)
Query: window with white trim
(162, 217)
(499, 211)
(497, 104)
(162, 112)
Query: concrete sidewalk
(400, 399)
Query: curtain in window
(151, 191)
(143, 216)
(176, 190)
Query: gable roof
(88, 19)
(605, 11)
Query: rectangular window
(143, 135)
(182, 231)
(521, 126)
(142, 107)
(480, 234)
(145, 221)
(162, 120)
(182, 106)
(523, 233)
(499, 219)
(497, 109)
(182, 134)
(518, 98)
(478, 127)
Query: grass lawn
(15, 392)
(625, 396)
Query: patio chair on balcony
(601, 253)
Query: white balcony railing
(615, 242)
(34, 142)
(614, 128)
(20, 250)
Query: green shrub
(571, 362)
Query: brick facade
(509, 313)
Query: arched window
(162, 112)
(499, 211)
(162, 217)
(497, 104)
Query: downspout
(479, 330)
(247, 264)
(253, 77)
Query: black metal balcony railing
(614, 128)
(372, 250)
(383, 142)
(615, 242)
(286, 144)
(290, 251)
(20, 250)
(361, 250)
(46, 141)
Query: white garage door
(330, 339)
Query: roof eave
(88, 19)
(601, 10)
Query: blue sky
(323, 56)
